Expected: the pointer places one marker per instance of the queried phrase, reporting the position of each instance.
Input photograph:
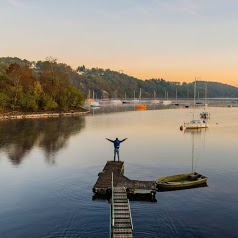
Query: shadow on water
(19, 137)
(178, 189)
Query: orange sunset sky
(176, 40)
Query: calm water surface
(49, 166)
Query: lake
(49, 166)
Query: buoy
(181, 128)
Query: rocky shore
(22, 115)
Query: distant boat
(205, 115)
(104, 100)
(155, 100)
(116, 101)
(89, 100)
(125, 100)
(141, 107)
(176, 102)
(132, 101)
(94, 104)
(195, 124)
(167, 102)
(198, 102)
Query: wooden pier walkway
(113, 185)
(121, 220)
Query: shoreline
(30, 115)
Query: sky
(177, 40)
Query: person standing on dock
(116, 147)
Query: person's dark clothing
(116, 143)
(116, 147)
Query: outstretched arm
(123, 139)
(110, 140)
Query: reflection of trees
(18, 137)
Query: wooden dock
(135, 189)
(114, 186)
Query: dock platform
(135, 189)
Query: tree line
(49, 85)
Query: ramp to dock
(121, 220)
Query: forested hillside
(48, 85)
(111, 83)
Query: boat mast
(176, 96)
(194, 97)
(140, 95)
(192, 152)
(205, 94)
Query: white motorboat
(196, 124)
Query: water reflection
(19, 137)
(195, 131)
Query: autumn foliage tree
(47, 88)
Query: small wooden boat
(181, 181)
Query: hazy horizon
(176, 40)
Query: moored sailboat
(205, 114)
(94, 103)
(155, 100)
(195, 124)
